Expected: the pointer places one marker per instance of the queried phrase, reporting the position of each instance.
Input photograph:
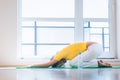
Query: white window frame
(78, 20)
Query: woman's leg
(91, 53)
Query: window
(46, 26)
(97, 23)
(48, 8)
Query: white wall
(8, 32)
(118, 27)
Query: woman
(77, 53)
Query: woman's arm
(45, 65)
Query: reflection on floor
(60, 74)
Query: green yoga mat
(64, 67)
(69, 67)
(96, 67)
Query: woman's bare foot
(103, 64)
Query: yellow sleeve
(62, 54)
(70, 51)
(58, 56)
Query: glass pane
(55, 35)
(106, 30)
(48, 8)
(56, 24)
(106, 40)
(27, 35)
(106, 49)
(96, 38)
(86, 34)
(28, 23)
(96, 30)
(27, 50)
(98, 24)
(95, 8)
(47, 51)
(86, 24)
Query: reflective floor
(59, 74)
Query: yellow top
(71, 51)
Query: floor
(60, 74)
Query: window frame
(78, 23)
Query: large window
(46, 26)
(48, 8)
